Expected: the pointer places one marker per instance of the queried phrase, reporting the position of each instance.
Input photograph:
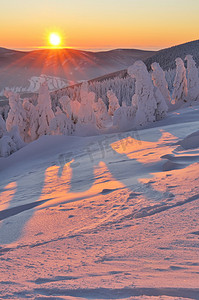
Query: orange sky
(86, 24)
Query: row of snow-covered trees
(86, 113)
(123, 86)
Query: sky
(98, 24)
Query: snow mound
(191, 141)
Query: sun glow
(54, 39)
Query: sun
(54, 39)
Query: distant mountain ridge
(166, 57)
(23, 69)
(18, 67)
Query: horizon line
(94, 49)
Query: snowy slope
(104, 217)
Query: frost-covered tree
(7, 146)
(180, 82)
(61, 124)
(32, 120)
(4, 111)
(2, 127)
(17, 114)
(66, 106)
(75, 106)
(170, 77)
(44, 109)
(148, 101)
(113, 102)
(124, 117)
(192, 79)
(159, 80)
(101, 113)
(162, 108)
(15, 136)
(9, 141)
(86, 113)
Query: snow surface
(106, 217)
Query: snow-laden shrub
(180, 82)
(159, 80)
(192, 79)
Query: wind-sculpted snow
(106, 216)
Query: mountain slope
(166, 57)
(17, 68)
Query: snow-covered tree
(4, 111)
(159, 80)
(17, 114)
(75, 106)
(113, 102)
(148, 101)
(61, 124)
(124, 117)
(44, 109)
(170, 77)
(7, 146)
(32, 120)
(180, 82)
(66, 106)
(9, 141)
(2, 127)
(15, 136)
(86, 114)
(192, 79)
(162, 108)
(101, 113)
